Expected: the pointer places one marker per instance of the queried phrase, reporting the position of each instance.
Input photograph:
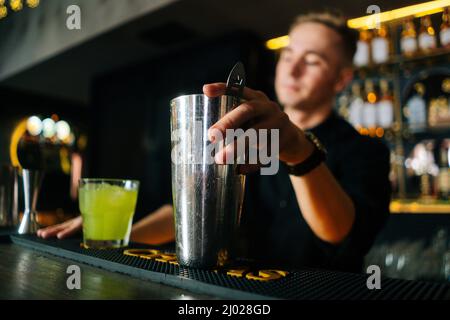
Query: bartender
(331, 195)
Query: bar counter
(30, 274)
(32, 268)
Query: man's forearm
(156, 228)
(325, 206)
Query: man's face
(308, 70)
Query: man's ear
(345, 77)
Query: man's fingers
(50, 231)
(73, 226)
(252, 143)
(69, 227)
(214, 89)
(67, 232)
(219, 88)
(239, 116)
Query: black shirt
(273, 227)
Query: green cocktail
(107, 207)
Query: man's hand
(156, 228)
(259, 112)
(62, 230)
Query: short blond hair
(336, 22)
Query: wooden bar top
(29, 274)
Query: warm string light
(50, 128)
(32, 3)
(3, 11)
(15, 5)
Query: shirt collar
(325, 127)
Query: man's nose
(296, 68)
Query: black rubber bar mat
(159, 265)
(6, 231)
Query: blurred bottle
(356, 107)
(380, 45)
(408, 41)
(433, 112)
(343, 105)
(369, 110)
(427, 36)
(445, 111)
(444, 171)
(426, 185)
(444, 33)
(394, 173)
(415, 109)
(439, 112)
(428, 188)
(362, 55)
(385, 108)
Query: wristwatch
(317, 157)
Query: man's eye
(312, 62)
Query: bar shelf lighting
(370, 21)
(418, 10)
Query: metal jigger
(32, 180)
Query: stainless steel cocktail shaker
(207, 197)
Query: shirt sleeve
(363, 172)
